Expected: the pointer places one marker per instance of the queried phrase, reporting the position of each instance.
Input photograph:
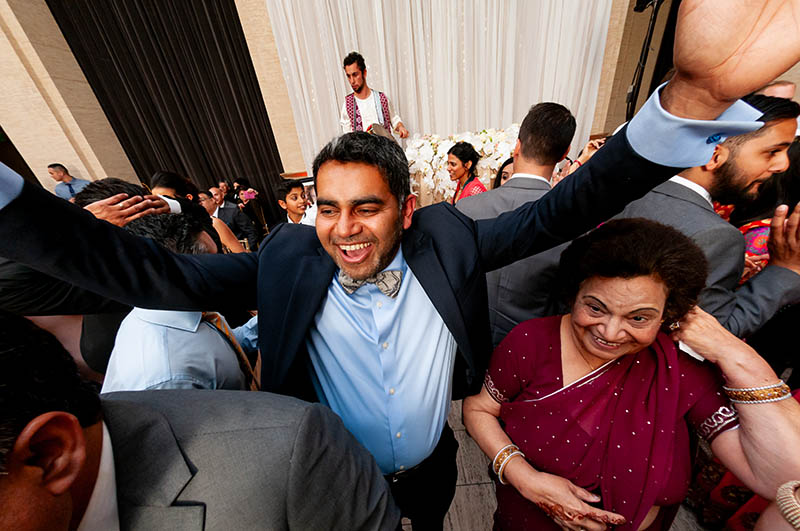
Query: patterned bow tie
(386, 281)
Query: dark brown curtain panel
(176, 82)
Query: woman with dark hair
(462, 164)
(504, 173)
(587, 415)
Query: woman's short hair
(628, 248)
(466, 153)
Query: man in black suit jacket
(366, 216)
(241, 225)
(188, 460)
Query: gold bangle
(502, 455)
(505, 462)
(758, 395)
(788, 504)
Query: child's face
(295, 202)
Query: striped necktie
(252, 377)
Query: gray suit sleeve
(746, 309)
(334, 483)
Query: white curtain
(448, 66)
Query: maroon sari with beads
(620, 431)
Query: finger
(776, 228)
(114, 199)
(585, 495)
(143, 213)
(590, 524)
(129, 209)
(135, 200)
(605, 517)
(792, 226)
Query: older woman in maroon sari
(587, 415)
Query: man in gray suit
(170, 459)
(523, 290)
(737, 168)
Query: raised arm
(763, 451)
(66, 242)
(722, 52)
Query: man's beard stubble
(727, 188)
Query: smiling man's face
(359, 221)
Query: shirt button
(379, 305)
(385, 346)
(391, 391)
(399, 435)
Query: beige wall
(626, 33)
(254, 17)
(48, 109)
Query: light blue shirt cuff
(668, 140)
(10, 185)
(247, 335)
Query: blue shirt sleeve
(247, 335)
(668, 140)
(10, 185)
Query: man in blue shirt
(382, 311)
(67, 185)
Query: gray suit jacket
(741, 310)
(525, 289)
(194, 460)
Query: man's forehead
(777, 133)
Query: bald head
(217, 194)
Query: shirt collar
(691, 185)
(216, 211)
(289, 220)
(101, 513)
(529, 176)
(187, 321)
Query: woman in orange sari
(462, 164)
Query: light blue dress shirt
(62, 189)
(385, 366)
(165, 349)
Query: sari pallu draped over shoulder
(611, 432)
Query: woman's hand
(564, 502)
(703, 333)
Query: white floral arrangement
(427, 159)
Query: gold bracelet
(788, 504)
(505, 462)
(502, 455)
(758, 395)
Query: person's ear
(282, 204)
(53, 442)
(407, 210)
(517, 149)
(721, 155)
(190, 197)
(468, 165)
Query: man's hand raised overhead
(725, 49)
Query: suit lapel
(309, 288)
(418, 251)
(150, 470)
